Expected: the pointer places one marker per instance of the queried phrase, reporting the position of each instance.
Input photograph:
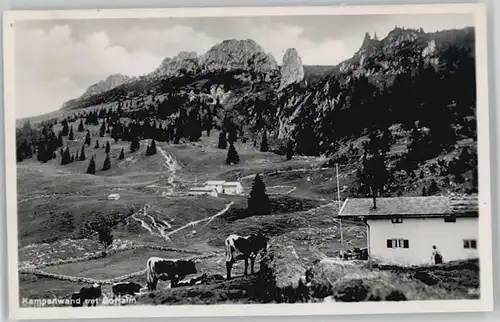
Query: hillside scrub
(352, 281)
(278, 205)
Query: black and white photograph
(247, 161)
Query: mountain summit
(292, 70)
(238, 54)
(174, 66)
(110, 82)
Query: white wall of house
(233, 189)
(216, 185)
(422, 234)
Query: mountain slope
(403, 87)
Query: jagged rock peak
(173, 66)
(238, 54)
(110, 82)
(292, 70)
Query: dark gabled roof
(434, 206)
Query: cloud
(52, 66)
(277, 37)
(165, 42)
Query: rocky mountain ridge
(228, 55)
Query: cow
(76, 300)
(89, 295)
(247, 247)
(129, 288)
(158, 268)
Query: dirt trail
(172, 167)
(158, 228)
(209, 219)
(154, 227)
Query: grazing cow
(168, 269)
(76, 300)
(247, 247)
(129, 288)
(90, 295)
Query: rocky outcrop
(292, 70)
(110, 82)
(175, 66)
(238, 54)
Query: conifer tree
(77, 157)
(134, 145)
(152, 148)
(71, 136)
(232, 134)
(232, 155)
(103, 129)
(66, 157)
(82, 153)
(96, 144)
(264, 146)
(87, 138)
(80, 126)
(108, 147)
(289, 150)
(91, 167)
(116, 131)
(374, 173)
(60, 139)
(122, 155)
(107, 163)
(258, 201)
(105, 237)
(65, 129)
(433, 188)
(222, 141)
(73, 158)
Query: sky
(57, 60)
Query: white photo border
(484, 304)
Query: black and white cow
(244, 247)
(129, 288)
(172, 270)
(89, 295)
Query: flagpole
(338, 214)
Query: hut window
(398, 220)
(398, 243)
(470, 243)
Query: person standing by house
(437, 258)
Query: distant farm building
(218, 185)
(404, 230)
(232, 188)
(199, 191)
(114, 196)
(226, 187)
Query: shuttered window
(470, 243)
(398, 243)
